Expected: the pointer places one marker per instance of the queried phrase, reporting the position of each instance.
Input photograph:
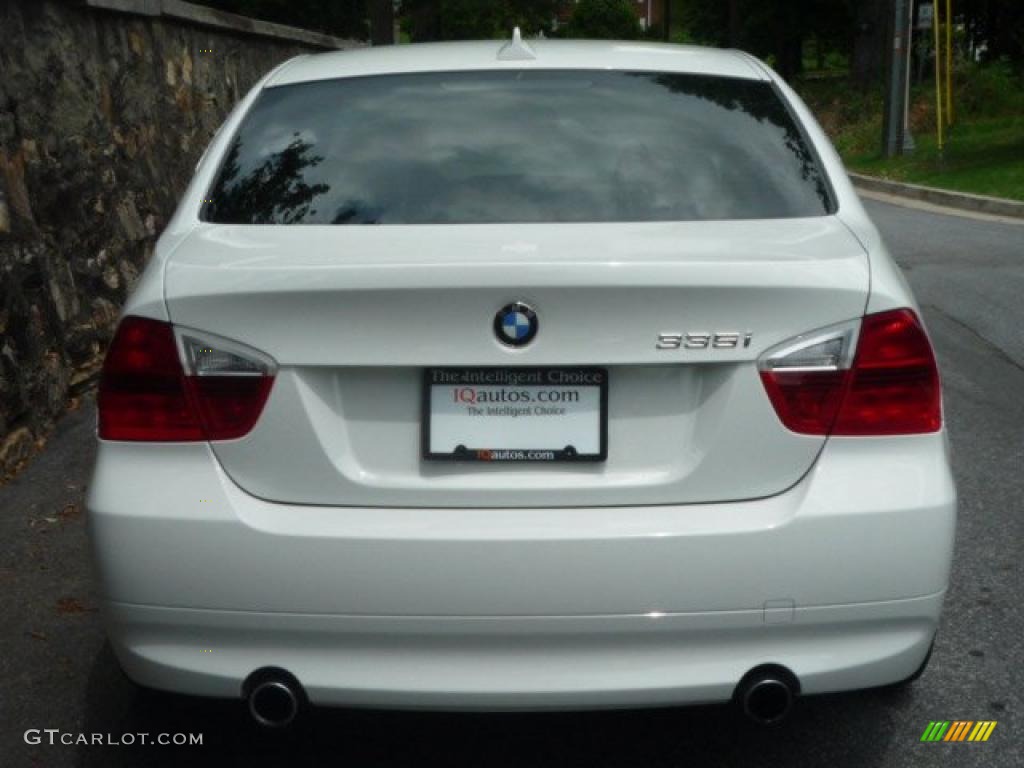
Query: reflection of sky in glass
(531, 147)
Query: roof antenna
(517, 50)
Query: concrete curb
(222, 20)
(996, 206)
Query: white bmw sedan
(521, 376)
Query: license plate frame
(549, 377)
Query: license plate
(515, 414)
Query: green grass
(984, 156)
(984, 149)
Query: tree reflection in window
(275, 192)
(754, 99)
(518, 146)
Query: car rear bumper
(840, 579)
(506, 663)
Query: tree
(775, 29)
(604, 19)
(993, 28)
(734, 21)
(382, 22)
(427, 20)
(275, 192)
(869, 47)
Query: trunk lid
(353, 315)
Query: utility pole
(938, 77)
(908, 139)
(896, 90)
(949, 62)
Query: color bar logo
(958, 730)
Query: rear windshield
(517, 146)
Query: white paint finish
(522, 663)
(351, 313)
(677, 433)
(779, 611)
(396, 583)
(889, 289)
(549, 54)
(872, 521)
(426, 295)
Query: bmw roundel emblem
(515, 324)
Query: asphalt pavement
(56, 672)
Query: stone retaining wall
(105, 107)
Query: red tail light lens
(229, 406)
(807, 402)
(146, 395)
(818, 386)
(142, 392)
(894, 387)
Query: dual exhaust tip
(275, 697)
(766, 694)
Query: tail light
(146, 394)
(871, 377)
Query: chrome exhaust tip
(767, 694)
(274, 698)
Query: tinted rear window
(523, 146)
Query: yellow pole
(938, 72)
(949, 62)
